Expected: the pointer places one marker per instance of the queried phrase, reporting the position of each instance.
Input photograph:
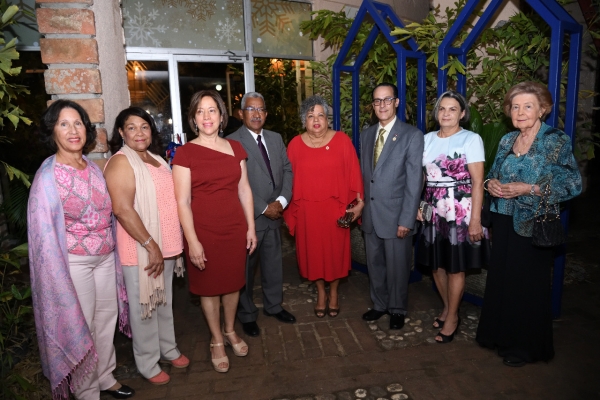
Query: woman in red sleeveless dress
(215, 207)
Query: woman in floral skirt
(453, 240)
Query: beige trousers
(95, 284)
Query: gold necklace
(519, 140)
(313, 143)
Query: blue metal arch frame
(379, 12)
(561, 24)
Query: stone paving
(348, 358)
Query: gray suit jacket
(393, 188)
(260, 181)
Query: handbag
(547, 228)
(486, 212)
(345, 220)
(426, 211)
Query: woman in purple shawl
(76, 277)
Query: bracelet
(147, 241)
(532, 191)
(485, 187)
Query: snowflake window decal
(227, 31)
(271, 16)
(141, 28)
(202, 10)
(235, 8)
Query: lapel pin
(394, 138)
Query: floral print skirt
(444, 241)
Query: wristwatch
(532, 191)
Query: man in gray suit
(391, 164)
(270, 176)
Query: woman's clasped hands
(507, 190)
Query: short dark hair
(385, 84)
(462, 102)
(540, 91)
(197, 97)
(50, 118)
(116, 142)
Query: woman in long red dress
(215, 207)
(326, 179)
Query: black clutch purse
(486, 212)
(547, 228)
(345, 220)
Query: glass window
(148, 83)
(196, 76)
(200, 24)
(276, 28)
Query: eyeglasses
(387, 101)
(252, 109)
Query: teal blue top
(549, 161)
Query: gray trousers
(154, 337)
(271, 274)
(389, 264)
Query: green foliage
(276, 80)
(8, 91)
(16, 318)
(8, 53)
(277, 83)
(502, 56)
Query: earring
(122, 141)
(221, 127)
(196, 127)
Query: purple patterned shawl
(66, 346)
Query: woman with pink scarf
(76, 277)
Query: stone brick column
(79, 56)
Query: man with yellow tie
(391, 154)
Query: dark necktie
(263, 151)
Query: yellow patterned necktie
(378, 147)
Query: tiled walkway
(347, 358)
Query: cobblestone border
(393, 391)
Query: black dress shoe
(396, 321)
(373, 315)
(251, 328)
(282, 316)
(124, 392)
(513, 361)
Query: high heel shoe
(237, 347)
(448, 338)
(217, 361)
(439, 322)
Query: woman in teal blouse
(516, 316)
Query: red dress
(326, 180)
(219, 219)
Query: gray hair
(309, 105)
(462, 102)
(252, 95)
